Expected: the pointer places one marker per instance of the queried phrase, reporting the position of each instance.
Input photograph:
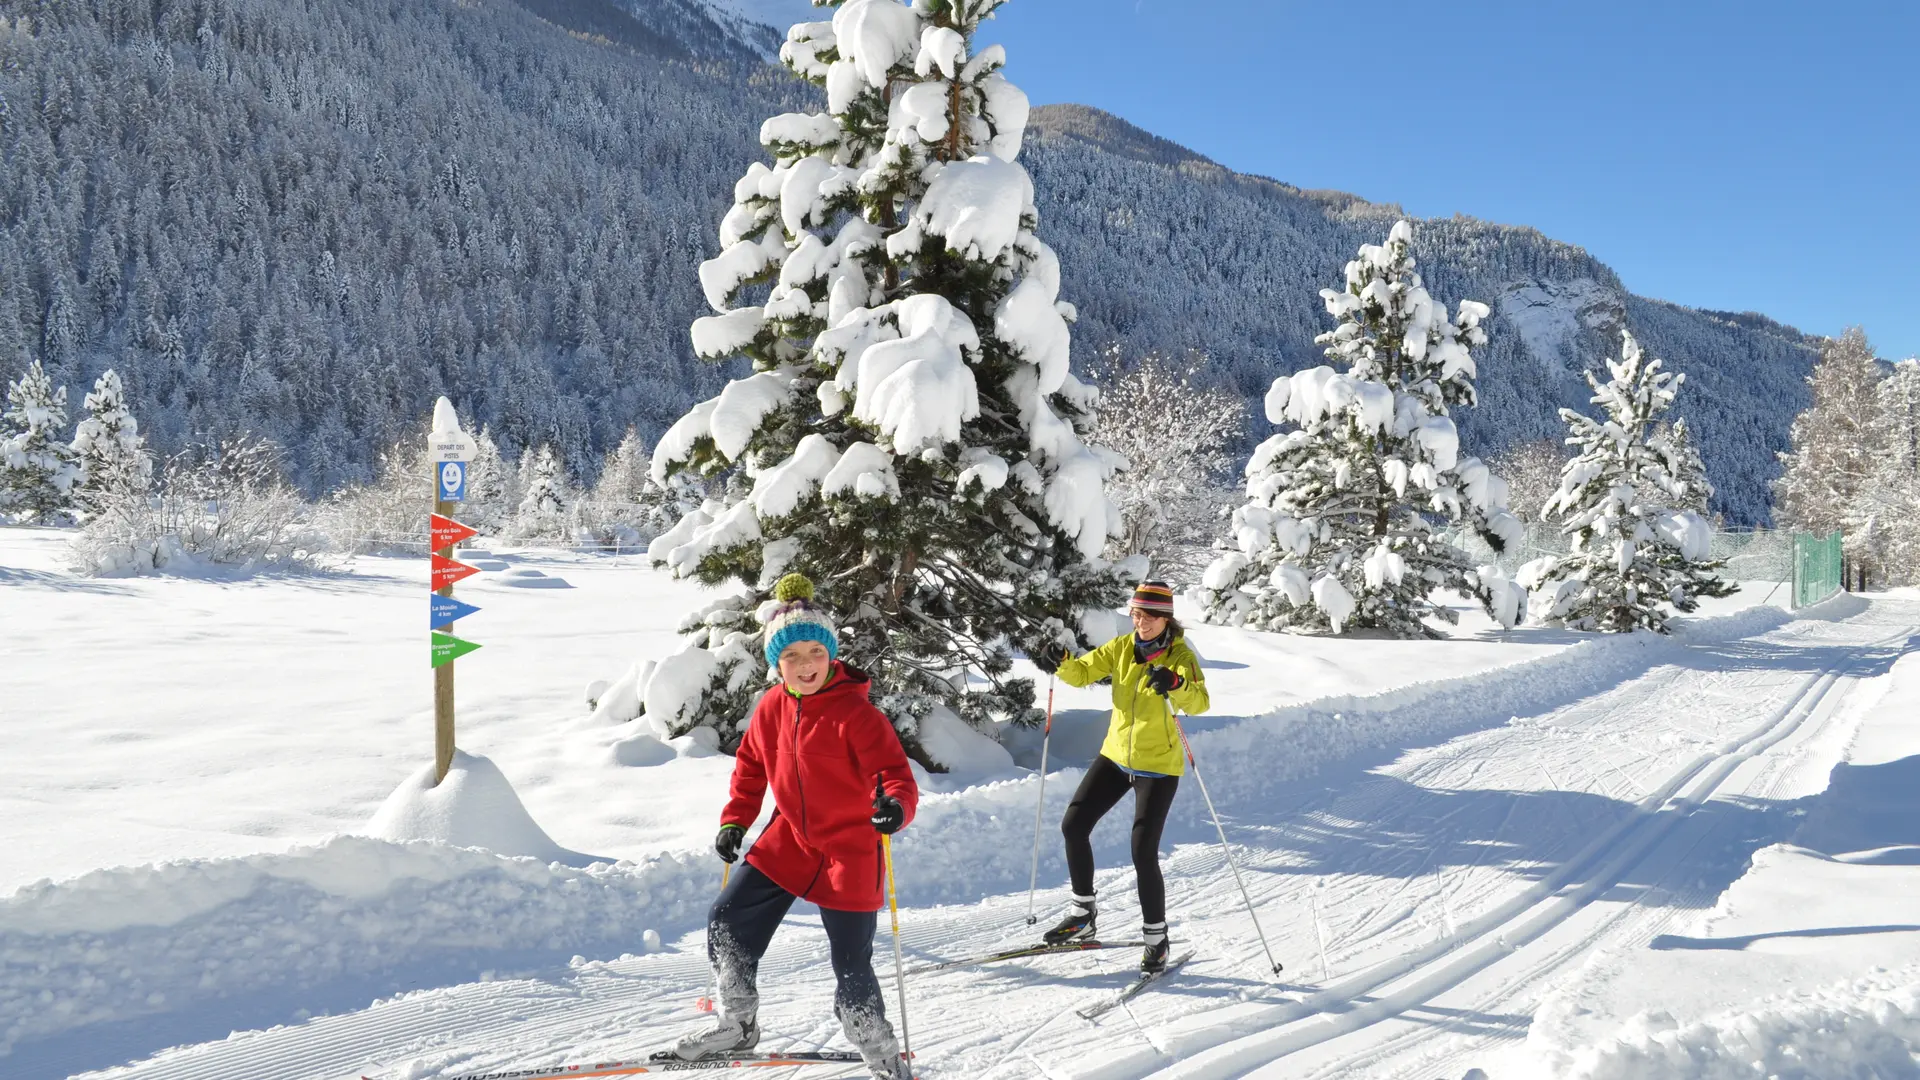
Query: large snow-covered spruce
(1636, 548)
(38, 469)
(910, 435)
(1345, 523)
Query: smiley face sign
(453, 481)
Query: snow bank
(475, 806)
(1865, 1027)
(180, 936)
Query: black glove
(888, 814)
(727, 844)
(1164, 680)
(1049, 656)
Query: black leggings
(1099, 790)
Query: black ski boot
(1077, 926)
(1154, 960)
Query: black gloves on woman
(1164, 681)
(1049, 657)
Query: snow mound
(187, 937)
(642, 751)
(533, 579)
(969, 757)
(1864, 1027)
(474, 807)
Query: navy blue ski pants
(741, 926)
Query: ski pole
(705, 1004)
(1033, 877)
(899, 972)
(1222, 830)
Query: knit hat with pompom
(797, 619)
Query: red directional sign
(446, 571)
(447, 532)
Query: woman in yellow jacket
(1153, 672)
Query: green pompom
(793, 587)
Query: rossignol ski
(1133, 989)
(1025, 951)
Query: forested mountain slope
(310, 219)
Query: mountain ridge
(310, 220)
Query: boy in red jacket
(824, 750)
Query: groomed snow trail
(1450, 883)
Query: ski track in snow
(1454, 883)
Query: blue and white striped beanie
(796, 619)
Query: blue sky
(1745, 156)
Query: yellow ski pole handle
(705, 1004)
(899, 965)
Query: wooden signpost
(449, 452)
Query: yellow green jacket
(1141, 734)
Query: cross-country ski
(1024, 953)
(1133, 989)
(602, 538)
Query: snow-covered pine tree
(910, 436)
(109, 448)
(38, 469)
(1831, 459)
(1346, 519)
(542, 514)
(1634, 545)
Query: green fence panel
(1816, 568)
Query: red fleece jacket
(821, 754)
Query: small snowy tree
(910, 435)
(1344, 522)
(1634, 547)
(1832, 458)
(542, 514)
(1174, 437)
(112, 455)
(38, 469)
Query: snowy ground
(1531, 852)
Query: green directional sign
(447, 648)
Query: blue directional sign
(452, 480)
(446, 609)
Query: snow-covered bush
(1174, 436)
(1532, 472)
(910, 435)
(1636, 547)
(109, 449)
(1345, 519)
(38, 469)
(222, 504)
(388, 515)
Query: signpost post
(449, 452)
